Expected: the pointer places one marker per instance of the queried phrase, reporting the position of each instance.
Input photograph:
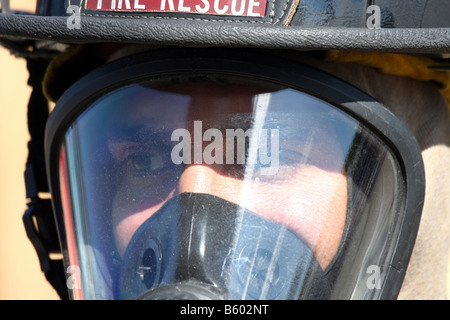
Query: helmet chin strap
(38, 219)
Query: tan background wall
(20, 275)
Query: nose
(201, 178)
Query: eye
(285, 164)
(146, 162)
(293, 158)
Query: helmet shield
(382, 25)
(224, 184)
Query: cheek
(127, 218)
(126, 225)
(314, 209)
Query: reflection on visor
(229, 191)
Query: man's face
(306, 191)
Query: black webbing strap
(38, 219)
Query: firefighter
(238, 149)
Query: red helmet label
(246, 8)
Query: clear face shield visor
(221, 178)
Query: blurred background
(20, 275)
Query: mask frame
(267, 68)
